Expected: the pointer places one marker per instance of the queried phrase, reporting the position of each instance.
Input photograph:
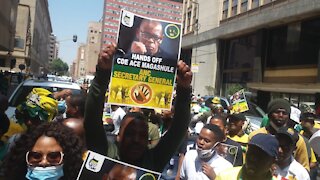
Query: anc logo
(147, 176)
(172, 31)
(233, 150)
(141, 93)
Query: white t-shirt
(117, 117)
(192, 169)
(294, 171)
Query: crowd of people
(211, 143)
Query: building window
(234, 2)
(267, 1)
(225, 5)
(255, 4)
(224, 14)
(234, 11)
(244, 6)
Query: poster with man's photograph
(144, 66)
(97, 166)
(228, 152)
(239, 102)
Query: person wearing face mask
(204, 162)
(50, 151)
(261, 154)
(278, 113)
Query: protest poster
(239, 102)
(228, 152)
(144, 66)
(97, 166)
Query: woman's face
(47, 145)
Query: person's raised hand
(138, 47)
(184, 75)
(105, 57)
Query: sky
(71, 17)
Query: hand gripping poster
(99, 167)
(144, 66)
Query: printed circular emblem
(141, 93)
(172, 31)
(232, 150)
(147, 176)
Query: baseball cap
(216, 100)
(236, 116)
(290, 133)
(266, 142)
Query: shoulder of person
(298, 169)
(258, 131)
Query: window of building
(225, 4)
(234, 2)
(224, 14)
(294, 44)
(267, 1)
(255, 4)
(234, 11)
(244, 6)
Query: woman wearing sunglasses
(50, 151)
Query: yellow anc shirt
(14, 128)
(244, 139)
(313, 158)
(234, 174)
(301, 154)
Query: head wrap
(39, 104)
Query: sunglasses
(53, 158)
(146, 35)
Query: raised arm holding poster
(239, 102)
(144, 67)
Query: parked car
(254, 115)
(24, 88)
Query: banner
(97, 166)
(144, 66)
(239, 102)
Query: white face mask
(45, 173)
(206, 153)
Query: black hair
(79, 100)
(4, 103)
(308, 116)
(223, 119)
(15, 165)
(216, 130)
(4, 123)
(135, 116)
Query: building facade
(8, 18)
(161, 9)
(270, 47)
(93, 45)
(53, 48)
(200, 16)
(29, 39)
(79, 64)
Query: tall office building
(53, 47)
(270, 47)
(170, 10)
